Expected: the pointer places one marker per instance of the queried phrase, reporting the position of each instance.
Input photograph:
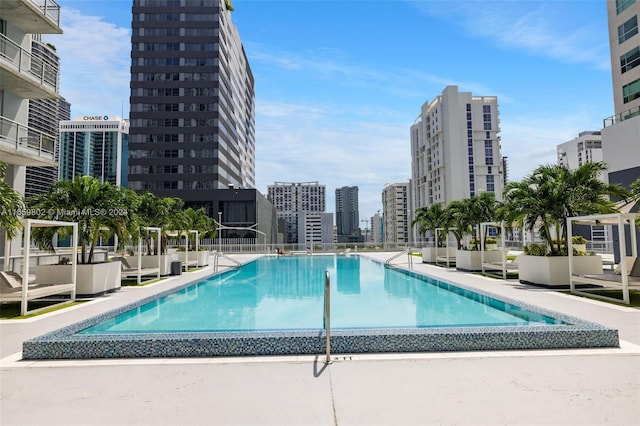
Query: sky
(338, 84)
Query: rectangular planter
(471, 260)
(553, 271)
(91, 279)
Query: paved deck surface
(560, 387)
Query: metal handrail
(327, 315)
(216, 257)
(406, 251)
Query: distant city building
(376, 228)
(238, 210)
(455, 148)
(94, 146)
(192, 102)
(621, 132)
(44, 115)
(290, 199)
(586, 148)
(25, 74)
(315, 229)
(395, 202)
(347, 214)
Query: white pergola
(619, 219)
(483, 228)
(158, 242)
(447, 243)
(28, 224)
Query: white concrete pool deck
(546, 387)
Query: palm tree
(457, 220)
(551, 193)
(430, 218)
(100, 209)
(469, 213)
(11, 206)
(198, 220)
(161, 212)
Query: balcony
(32, 16)
(25, 146)
(25, 75)
(618, 118)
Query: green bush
(536, 249)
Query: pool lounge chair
(130, 271)
(614, 280)
(11, 288)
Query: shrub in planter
(535, 249)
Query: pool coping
(65, 344)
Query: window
(631, 91)
(622, 5)
(491, 183)
(628, 29)
(630, 60)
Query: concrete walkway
(560, 387)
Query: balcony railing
(49, 8)
(618, 118)
(26, 139)
(25, 63)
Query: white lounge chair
(11, 288)
(130, 271)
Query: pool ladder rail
(216, 260)
(408, 251)
(327, 316)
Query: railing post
(327, 315)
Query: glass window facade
(628, 29)
(631, 91)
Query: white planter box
(471, 260)
(429, 254)
(554, 270)
(152, 262)
(91, 279)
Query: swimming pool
(274, 305)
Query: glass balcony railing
(618, 118)
(26, 139)
(34, 69)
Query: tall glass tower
(192, 101)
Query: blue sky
(339, 83)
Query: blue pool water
(286, 293)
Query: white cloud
(541, 28)
(95, 64)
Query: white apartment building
(586, 148)
(291, 198)
(395, 212)
(455, 149)
(25, 76)
(315, 229)
(376, 228)
(621, 132)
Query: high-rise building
(377, 228)
(290, 199)
(621, 132)
(45, 116)
(192, 101)
(586, 148)
(315, 229)
(95, 146)
(24, 76)
(395, 213)
(347, 215)
(455, 149)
